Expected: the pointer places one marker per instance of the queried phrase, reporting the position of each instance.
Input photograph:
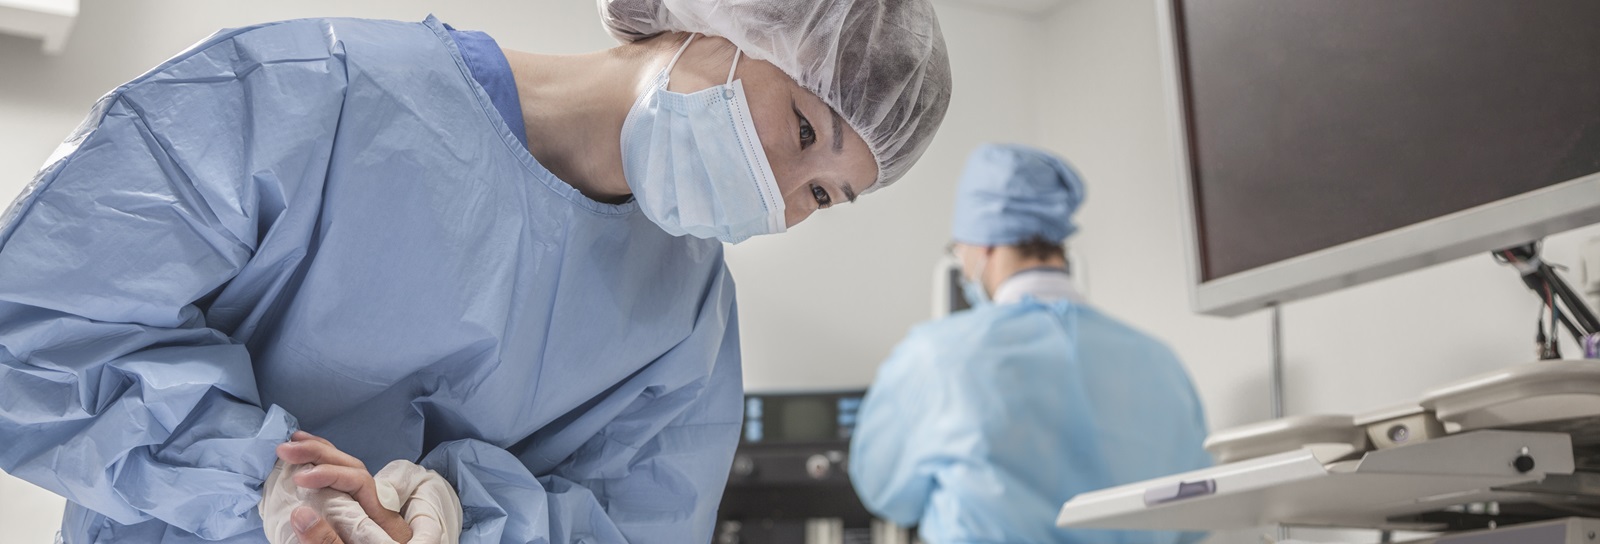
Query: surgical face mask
(977, 296)
(694, 162)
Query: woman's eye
(823, 199)
(808, 136)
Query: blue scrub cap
(1012, 193)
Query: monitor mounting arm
(1543, 280)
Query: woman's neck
(573, 107)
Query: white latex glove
(427, 502)
(424, 498)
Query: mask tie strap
(735, 66)
(681, 49)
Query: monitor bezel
(1502, 223)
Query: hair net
(880, 64)
(1011, 193)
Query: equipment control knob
(818, 466)
(1524, 462)
(743, 466)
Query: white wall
(820, 306)
(823, 304)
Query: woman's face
(818, 160)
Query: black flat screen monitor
(1310, 126)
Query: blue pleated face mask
(695, 164)
(977, 296)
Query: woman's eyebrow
(838, 148)
(838, 143)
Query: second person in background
(981, 425)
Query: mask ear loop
(983, 269)
(735, 66)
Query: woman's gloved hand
(319, 495)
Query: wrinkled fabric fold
(980, 426)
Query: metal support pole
(1277, 381)
(1277, 362)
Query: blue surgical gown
(325, 224)
(981, 425)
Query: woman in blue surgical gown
(394, 235)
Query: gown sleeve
(117, 391)
(893, 456)
(654, 473)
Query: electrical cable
(1541, 343)
(1553, 348)
(1542, 279)
(1575, 304)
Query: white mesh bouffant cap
(881, 64)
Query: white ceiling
(48, 20)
